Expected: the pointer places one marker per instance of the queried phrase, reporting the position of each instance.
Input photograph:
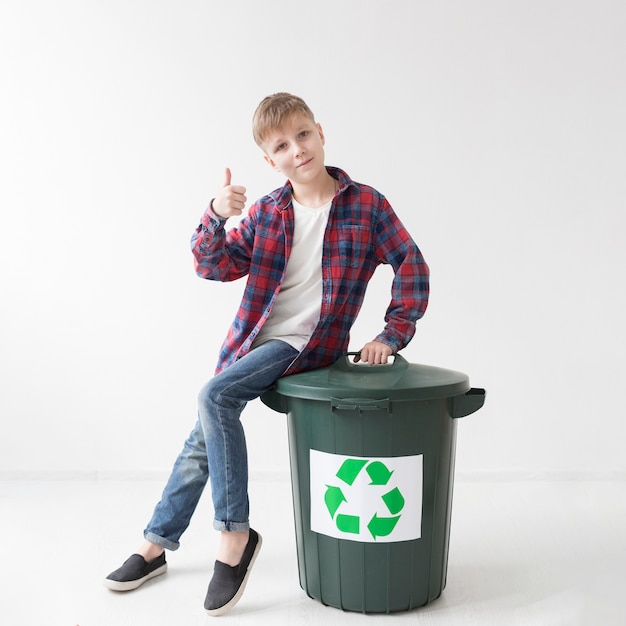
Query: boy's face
(296, 149)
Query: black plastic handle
(468, 403)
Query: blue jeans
(216, 448)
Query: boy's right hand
(230, 199)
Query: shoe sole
(129, 585)
(231, 603)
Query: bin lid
(399, 380)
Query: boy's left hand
(374, 353)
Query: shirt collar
(282, 196)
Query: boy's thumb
(226, 177)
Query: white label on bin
(366, 499)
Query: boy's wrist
(214, 214)
(211, 221)
(389, 340)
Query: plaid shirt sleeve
(218, 254)
(256, 248)
(410, 287)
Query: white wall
(496, 129)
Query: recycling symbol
(392, 501)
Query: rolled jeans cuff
(233, 527)
(160, 541)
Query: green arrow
(333, 498)
(382, 526)
(394, 501)
(348, 523)
(379, 473)
(350, 469)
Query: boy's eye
(280, 146)
(304, 133)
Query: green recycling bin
(372, 452)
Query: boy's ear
(271, 163)
(321, 132)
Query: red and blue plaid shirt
(362, 232)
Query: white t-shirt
(296, 311)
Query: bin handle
(345, 365)
(275, 401)
(468, 403)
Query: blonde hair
(273, 111)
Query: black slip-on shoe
(135, 572)
(228, 583)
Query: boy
(308, 250)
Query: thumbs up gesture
(230, 200)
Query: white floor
(521, 553)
